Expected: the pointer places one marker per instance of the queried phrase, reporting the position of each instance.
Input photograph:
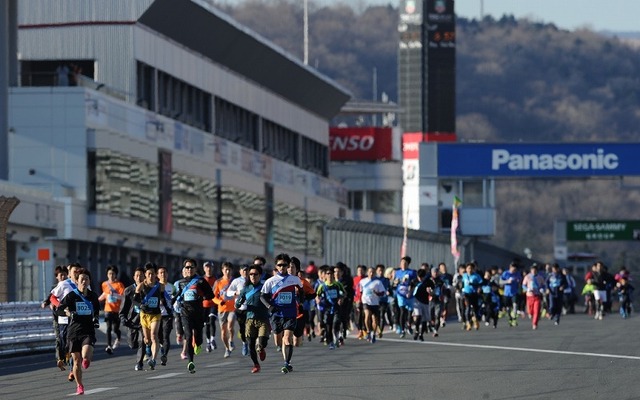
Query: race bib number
(113, 298)
(285, 298)
(190, 295)
(153, 302)
(63, 320)
(332, 293)
(82, 308)
(368, 292)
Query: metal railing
(25, 328)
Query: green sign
(603, 230)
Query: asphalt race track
(580, 359)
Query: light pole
(306, 32)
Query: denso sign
(360, 144)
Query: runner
(510, 280)
(384, 299)
(150, 295)
(112, 292)
(257, 322)
(278, 294)
(190, 291)
(226, 308)
(83, 309)
(534, 286)
(371, 289)
(307, 294)
(130, 317)
(240, 313)
(61, 273)
(330, 297)
(57, 294)
(166, 323)
(210, 309)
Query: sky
(598, 15)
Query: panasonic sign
(502, 158)
(552, 160)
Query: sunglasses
(189, 267)
(282, 265)
(254, 274)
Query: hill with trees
(517, 81)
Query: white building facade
(149, 141)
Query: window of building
(236, 124)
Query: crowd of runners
(290, 305)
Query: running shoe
(308, 338)
(332, 346)
(60, 365)
(71, 377)
(341, 341)
(435, 334)
(80, 389)
(278, 349)
(227, 353)
(197, 349)
(263, 354)
(179, 339)
(148, 350)
(191, 367)
(415, 336)
(183, 356)
(255, 369)
(208, 348)
(213, 344)
(286, 368)
(116, 344)
(85, 363)
(373, 339)
(163, 360)
(109, 350)
(422, 337)
(232, 346)
(152, 363)
(139, 367)
(245, 349)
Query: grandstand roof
(198, 26)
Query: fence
(25, 327)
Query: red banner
(360, 144)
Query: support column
(7, 205)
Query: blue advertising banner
(538, 160)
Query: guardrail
(25, 328)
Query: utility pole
(306, 32)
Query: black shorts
(112, 317)
(281, 324)
(375, 310)
(75, 345)
(300, 324)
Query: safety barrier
(25, 328)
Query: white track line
(491, 347)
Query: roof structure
(206, 30)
